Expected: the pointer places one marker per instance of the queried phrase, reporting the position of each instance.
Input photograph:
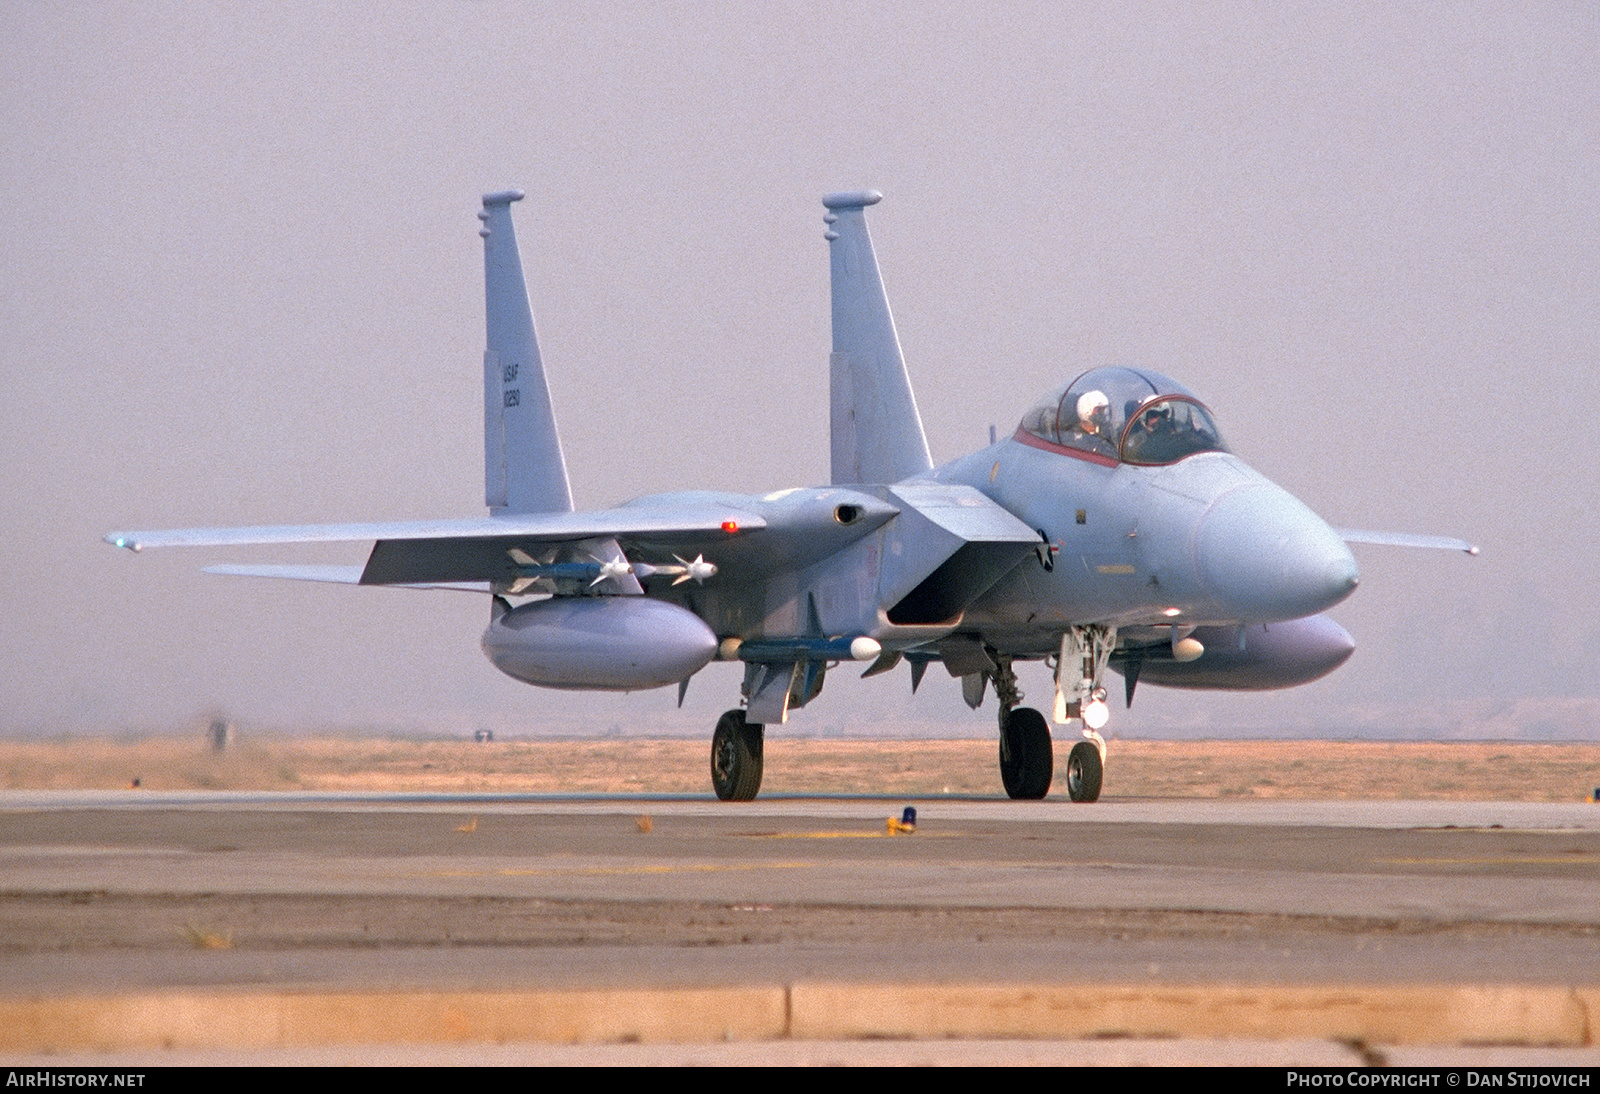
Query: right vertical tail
(523, 469)
(877, 432)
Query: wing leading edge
(447, 551)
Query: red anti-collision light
(730, 526)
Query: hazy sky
(242, 284)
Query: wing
(449, 552)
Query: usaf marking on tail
(1113, 530)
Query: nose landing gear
(1084, 772)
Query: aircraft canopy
(1126, 414)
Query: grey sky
(242, 284)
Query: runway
(1393, 922)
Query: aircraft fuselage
(1207, 540)
(1203, 542)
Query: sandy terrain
(1135, 769)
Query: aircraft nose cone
(1263, 556)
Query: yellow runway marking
(816, 835)
(618, 871)
(921, 834)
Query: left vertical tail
(877, 432)
(523, 470)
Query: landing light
(864, 648)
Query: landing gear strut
(1080, 694)
(736, 748)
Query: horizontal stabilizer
(1405, 539)
(334, 575)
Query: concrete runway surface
(195, 927)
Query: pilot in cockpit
(1094, 412)
(1160, 434)
(1150, 429)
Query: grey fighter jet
(1114, 529)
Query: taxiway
(794, 918)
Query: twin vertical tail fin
(877, 432)
(524, 470)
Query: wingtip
(119, 539)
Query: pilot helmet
(1090, 402)
(1151, 407)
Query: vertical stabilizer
(877, 432)
(523, 468)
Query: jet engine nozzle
(1263, 557)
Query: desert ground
(1466, 771)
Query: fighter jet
(1114, 529)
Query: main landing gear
(1027, 760)
(1027, 757)
(736, 748)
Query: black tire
(736, 758)
(1027, 760)
(1084, 772)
